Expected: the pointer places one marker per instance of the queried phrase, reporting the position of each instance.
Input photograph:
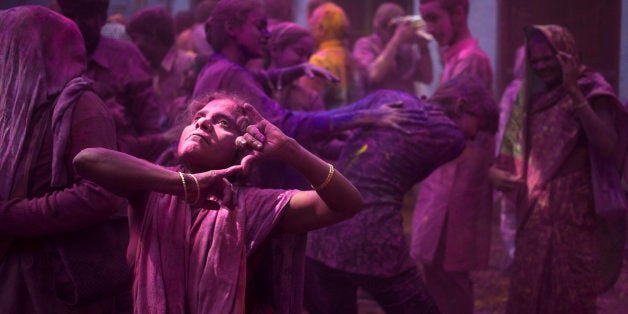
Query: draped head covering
(41, 51)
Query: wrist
(290, 151)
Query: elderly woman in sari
(197, 239)
(560, 159)
(48, 114)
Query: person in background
(201, 244)
(115, 27)
(48, 114)
(237, 30)
(120, 72)
(183, 20)
(152, 30)
(560, 162)
(395, 56)
(446, 21)
(291, 44)
(451, 228)
(194, 39)
(329, 27)
(369, 251)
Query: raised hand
(393, 115)
(215, 188)
(262, 140)
(311, 70)
(571, 70)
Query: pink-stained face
(438, 22)
(544, 62)
(293, 54)
(208, 142)
(252, 36)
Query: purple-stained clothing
(196, 260)
(456, 195)
(452, 217)
(220, 74)
(466, 57)
(384, 164)
(122, 79)
(33, 220)
(404, 71)
(51, 115)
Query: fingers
(255, 132)
(247, 162)
(395, 104)
(229, 171)
(252, 113)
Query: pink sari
(195, 260)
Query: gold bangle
(327, 180)
(185, 188)
(198, 189)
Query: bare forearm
(125, 174)
(333, 188)
(382, 65)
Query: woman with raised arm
(197, 239)
(560, 161)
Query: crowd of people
(229, 160)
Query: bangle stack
(185, 188)
(325, 183)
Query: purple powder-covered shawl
(46, 117)
(41, 52)
(195, 260)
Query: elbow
(85, 159)
(355, 205)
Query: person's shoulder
(472, 50)
(89, 104)
(114, 44)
